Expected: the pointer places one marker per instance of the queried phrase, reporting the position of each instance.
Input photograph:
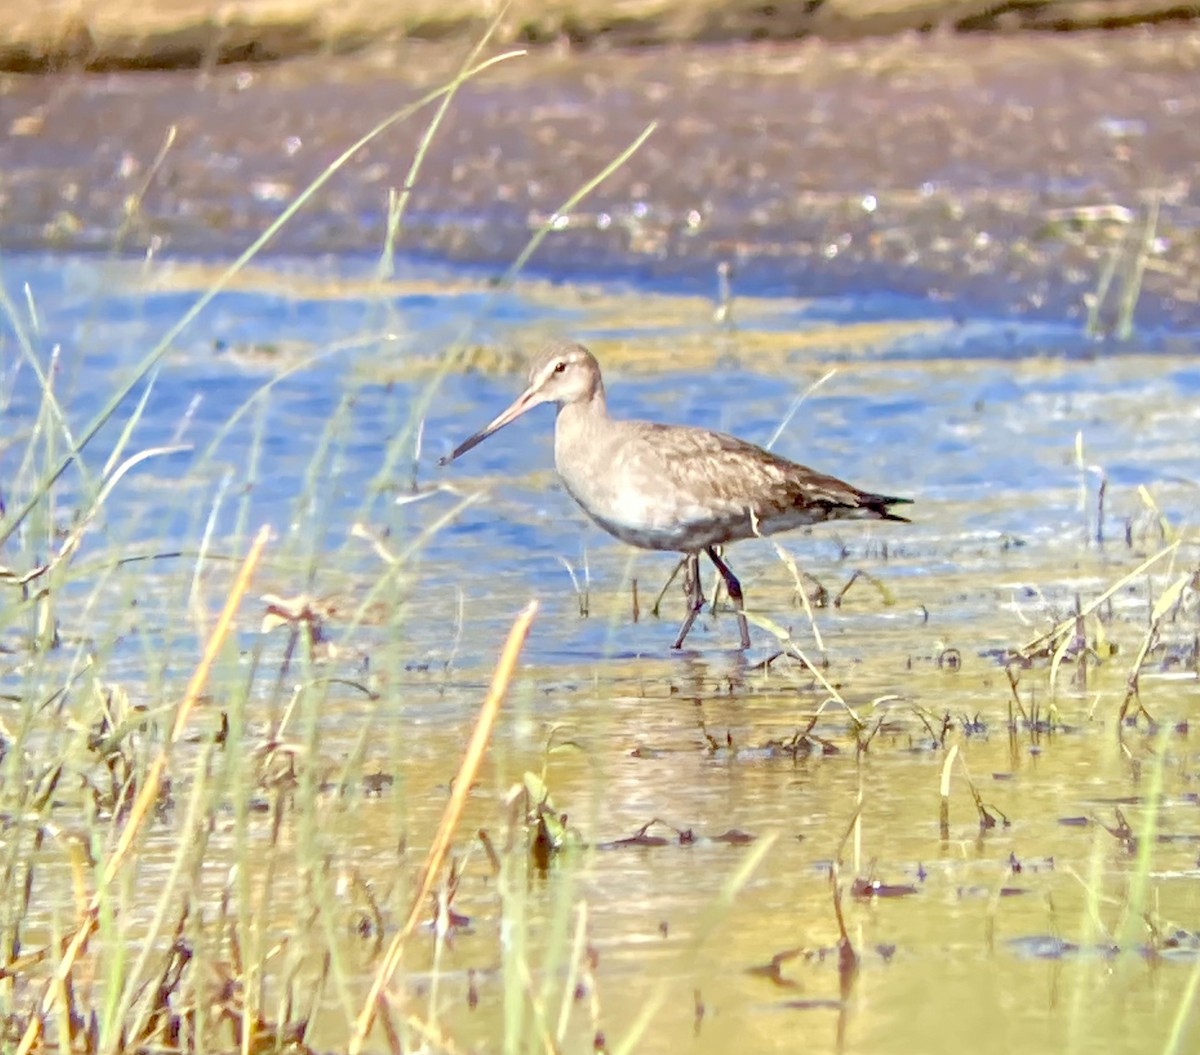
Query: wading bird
(674, 487)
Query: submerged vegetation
(262, 790)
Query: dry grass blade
(944, 791)
(801, 592)
(450, 818)
(1163, 607)
(797, 403)
(146, 797)
(1046, 640)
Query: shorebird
(674, 487)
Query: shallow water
(970, 417)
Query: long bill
(526, 400)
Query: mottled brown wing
(724, 471)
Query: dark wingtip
(879, 504)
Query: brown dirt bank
(1009, 171)
(132, 34)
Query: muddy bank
(1026, 174)
(175, 34)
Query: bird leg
(735, 593)
(695, 595)
(654, 611)
(717, 581)
(667, 585)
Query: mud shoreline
(188, 34)
(1007, 172)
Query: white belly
(660, 521)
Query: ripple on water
(983, 436)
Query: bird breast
(646, 492)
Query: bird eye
(559, 367)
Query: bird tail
(879, 505)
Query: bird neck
(583, 417)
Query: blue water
(977, 421)
(978, 427)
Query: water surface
(972, 418)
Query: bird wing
(730, 475)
